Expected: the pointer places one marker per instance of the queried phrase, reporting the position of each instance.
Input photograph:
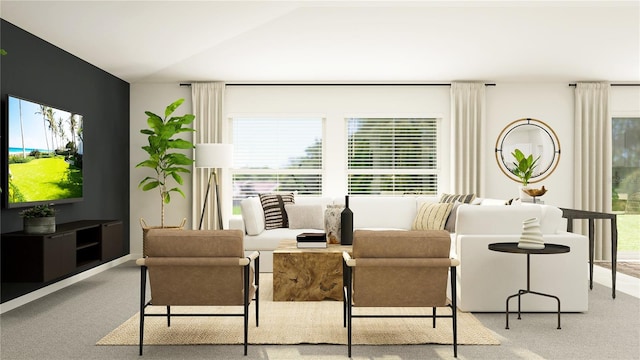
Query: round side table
(512, 247)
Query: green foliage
(38, 211)
(19, 159)
(523, 166)
(631, 183)
(56, 179)
(3, 52)
(162, 148)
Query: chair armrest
(252, 257)
(455, 262)
(347, 259)
(140, 262)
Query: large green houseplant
(165, 158)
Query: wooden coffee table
(309, 274)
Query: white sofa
(484, 278)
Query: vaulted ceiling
(342, 41)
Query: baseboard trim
(34, 295)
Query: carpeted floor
(631, 268)
(300, 322)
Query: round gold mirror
(532, 137)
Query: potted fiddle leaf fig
(40, 219)
(523, 166)
(165, 158)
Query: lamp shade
(214, 156)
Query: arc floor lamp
(213, 157)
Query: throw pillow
(253, 215)
(432, 216)
(463, 198)
(305, 216)
(275, 216)
(450, 225)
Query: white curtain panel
(592, 160)
(468, 104)
(207, 100)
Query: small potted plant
(40, 219)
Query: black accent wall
(37, 70)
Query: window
(626, 183)
(276, 154)
(392, 156)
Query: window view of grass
(625, 200)
(628, 232)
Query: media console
(74, 247)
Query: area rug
(299, 322)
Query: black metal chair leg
(344, 306)
(168, 316)
(454, 311)
(143, 289)
(433, 314)
(246, 307)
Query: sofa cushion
(388, 212)
(495, 202)
(275, 215)
(252, 215)
(432, 216)
(305, 216)
(551, 221)
(450, 225)
(494, 219)
(463, 198)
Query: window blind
(392, 156)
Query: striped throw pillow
(432, 216)
(275, 215)
(463, 198)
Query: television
(43, 148)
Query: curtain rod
(338, 84)
(622, 84)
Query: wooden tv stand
(74, 247)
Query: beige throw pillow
(432, 216)
(305, 216)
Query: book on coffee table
(311, 237)
(312, 244)
(312, 240)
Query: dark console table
(74, 247)
(572, 214)
(512, 247)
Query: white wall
(549, 102)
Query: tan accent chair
(198, 268)
(399, 269)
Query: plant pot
(42, 225)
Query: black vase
(346, 224)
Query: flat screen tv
(43, 154)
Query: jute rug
(300, 322)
